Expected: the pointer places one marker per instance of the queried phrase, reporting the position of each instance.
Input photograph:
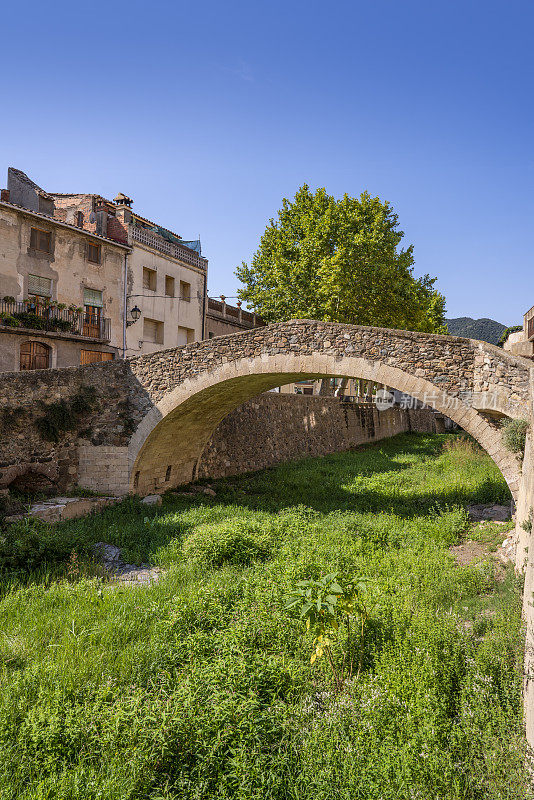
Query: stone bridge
(189, 390)
(157, 412)
(176, 398)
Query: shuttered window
(185, 291)
(149, 279)
(93, 253)
(185, 335)
(92, 297)
(40, 240)
(41, 287)
(152, 331)
(94, 357)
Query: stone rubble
(491, 512)
(109, 556)
(58, 509)
(152, 500)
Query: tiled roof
(55, 221)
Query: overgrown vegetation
(514, 434)
(201, 686)
(66, 415)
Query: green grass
(201, 686)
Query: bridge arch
(178, 427)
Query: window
(34, 355)
(92, 321)
(94, 357)
(169, 286)
(92, 297)
(211, 335)
(185, 335)
(149, 279)
(185, 291)
(93, 253)
(39, 287)
(40, 240)
(79, 219)
(152, 331)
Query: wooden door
(91, 322)
(34, 355)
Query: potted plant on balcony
(9, 321)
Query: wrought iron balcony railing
(42, 317)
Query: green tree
(339, 260)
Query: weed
(514, 434)
(201, 687)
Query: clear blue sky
(208, 113)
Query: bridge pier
(104, 469)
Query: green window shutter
(92, 297)
(39, 286)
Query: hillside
(487, 330)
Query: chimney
(123, 200)
(124, 205)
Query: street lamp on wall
(135, 314)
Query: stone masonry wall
(267, 430)
(274, 428)
(23, 400)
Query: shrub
(514, 434)
(233, 541)
(28, 544)
(9, 321)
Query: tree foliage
(339, 260)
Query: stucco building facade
(60, 290)
(73, 267)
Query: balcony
(180, 252)
(41, 317)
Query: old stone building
(60, 287)
(87, 268)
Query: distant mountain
(487, 330)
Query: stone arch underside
(176, 430)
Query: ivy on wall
(65, 415)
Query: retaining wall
(273, 428)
